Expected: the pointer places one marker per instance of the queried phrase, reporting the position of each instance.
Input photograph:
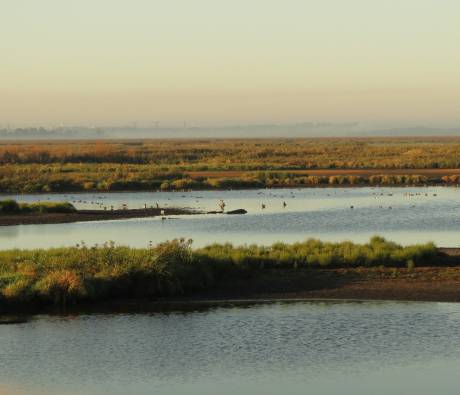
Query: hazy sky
(227, 62)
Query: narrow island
(117, 278)
(14, 213)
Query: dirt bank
(418, 284)
(434, 284)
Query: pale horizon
(228, 63)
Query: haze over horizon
(208, 62)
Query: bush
(9, 206)
(19, 290)
(61, 287)
(13, 207)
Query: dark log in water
(239, 211)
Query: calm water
(289, 348)
(406, 215)
(345, 348)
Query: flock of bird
(98, 201)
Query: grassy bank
(80, 274)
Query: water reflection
(346, 348)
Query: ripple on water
(276, 347)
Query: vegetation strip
(82, 274)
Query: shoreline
(194, 304)
(421, 284)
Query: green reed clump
(10, 206)
(315, 253)
(48, 207)
(69, 275)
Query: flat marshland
(114, 165)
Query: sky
(216, 62)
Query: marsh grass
(62, 276)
